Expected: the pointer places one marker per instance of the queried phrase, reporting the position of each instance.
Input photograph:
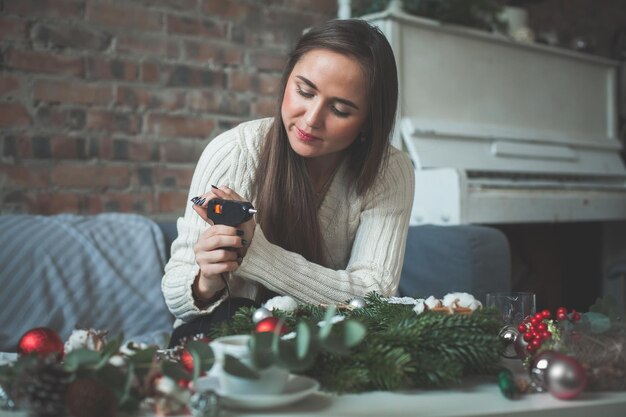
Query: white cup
(271, 380)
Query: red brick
(181, 151)
(172, 201)
(120, 202)
(107, 69)
(90, 176)
(207, 52)
(268, 61)
(58, 202)
(150, 72)
(108, 121)
(18, 146)
(48, 8)
(188, 76)
(64, 36)
(24, 176)
(179, 177)
(147, 45)
(264, 107)
(14, 115)
(184, 5)
(72, 92)
(228, 9)
(143, 98)
(178, 126)
(195, 27)
(239, 80)
(267, 83)
(64, 147)
(12, 29)
(62, 118)
(210, 101)
(45, 62)
(123, 16)
(8, 84)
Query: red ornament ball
(271, 324)
(40, 340)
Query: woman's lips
(305, 137)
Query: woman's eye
(339, 112)
(303, 93)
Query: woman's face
(325, 104)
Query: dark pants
(203, 324)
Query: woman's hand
(220, 248)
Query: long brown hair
(283, 190)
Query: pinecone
(87, 397)
(41, 388)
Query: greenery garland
(401, 349)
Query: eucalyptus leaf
(597, 322)
(175, 371)
(328, 324)
(143, 357)
(303, 339)
(354, 333)
(261, 350)
(204, 353)
(234, 367)
(81, 358)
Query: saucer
(298, 387)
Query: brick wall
(106, 105)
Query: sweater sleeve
(221, 163)
(377, 251)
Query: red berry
(575, 315)
(542, 327)
(539, 316)
(546, 335)
(183, 383)
(528, 337)
(560, 316)
(561, 310)
(187, 360)
(536, 343)
(546, 314)
(534, 321)
(521, 328)
(530, 348)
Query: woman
(333, 197)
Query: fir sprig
(401, 350)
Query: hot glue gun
(227, 212)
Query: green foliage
(400, 349)
(480, 14)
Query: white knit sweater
(364, 236)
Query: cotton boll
(402, 300)
(420, 306)
(432, 302)
(284, 303)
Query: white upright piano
(504, 132)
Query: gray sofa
(103, 271)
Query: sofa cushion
(67, 271)
(460, 258)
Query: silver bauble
(539, 368)
(565, 376)
(358, 302)
(521, 346)
(260, 314)
(508, 334)
(204, 404)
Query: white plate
(298, 387)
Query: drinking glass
(514, 307)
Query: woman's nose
(313, 115)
